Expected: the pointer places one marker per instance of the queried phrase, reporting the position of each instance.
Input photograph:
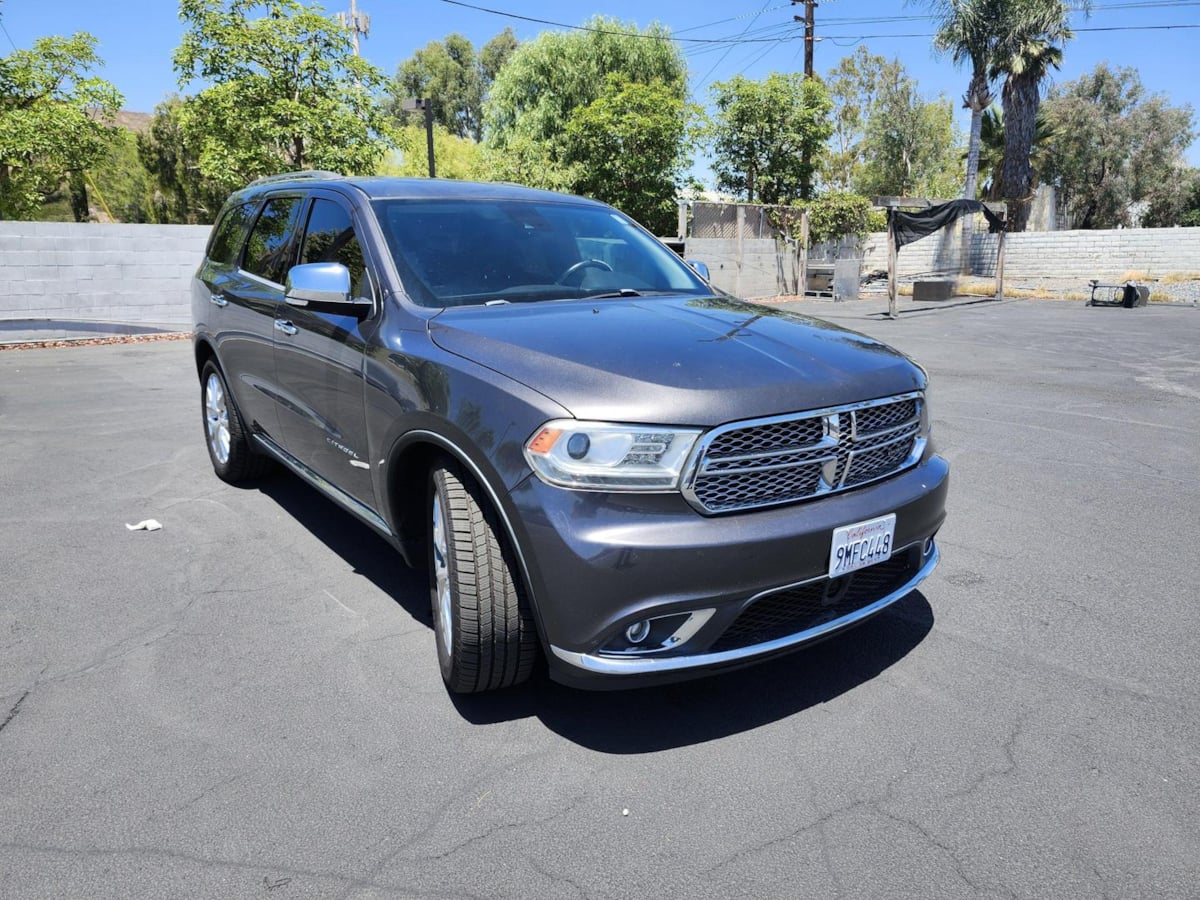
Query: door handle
(218, 300)
(286, 327)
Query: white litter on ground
(145, 525)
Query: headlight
(926, 421)
(600, 456)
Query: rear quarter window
(269, 245)
(228, 233)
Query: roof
(386, 188)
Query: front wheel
(485, 634)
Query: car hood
(674, 360)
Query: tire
(486, 638)
(225, 435)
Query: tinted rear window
(227, 236)
(267, 250)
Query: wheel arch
(411, 462)
(204, 351)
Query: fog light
(928, 548)
(638, 631)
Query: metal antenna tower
(358, 23)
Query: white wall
(105, 273)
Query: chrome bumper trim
(608, 665)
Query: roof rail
(295, 176)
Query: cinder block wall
(764, 269)
(111, 273)
(1105, 255)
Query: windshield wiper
(623, 292)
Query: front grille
(800, 608)
(747, 465)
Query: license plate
(861, 544)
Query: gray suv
(598, 456)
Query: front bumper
(601, 562)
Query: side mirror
(324, 287)
(700, 267)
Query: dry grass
(1179, 277)
(1160, 297)
(988, 289)
(1134, 275)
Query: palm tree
(991, 151)
(1030, 39)
(966, 30)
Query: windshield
(467, 252)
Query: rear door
(249, 297)
(319, 359)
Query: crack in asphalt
(556, 879)
(16, 708)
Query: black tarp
(912, 226)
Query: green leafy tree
(835, 214)
(287, 92)
(172, 157)
(887, 139)
(53, 122)
(910, 145)
(456, 157)
(455, 77)
(120, 184)
(1116, 147)
(854, 85)
(524, 159)
(494, 54)
(547, 79)
(767, 135)
(626, 148)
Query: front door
(319, 362)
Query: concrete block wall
(137, 274)
(1104, 255)
(764, 268)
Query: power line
(703, 81)
(857, 38)
(730, 19)
(7, 35)
(834, 38)
(652, 37)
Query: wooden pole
(803, 286)
(891, 239)
(1000, 263)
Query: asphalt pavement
(247, 702)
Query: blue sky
(136, 39)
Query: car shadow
(647, 720)
(369, 554)
(641, 720)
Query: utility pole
(809, 36)
(358, 23)
(809, 40)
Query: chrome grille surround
(760, 463)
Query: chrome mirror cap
(325, 282)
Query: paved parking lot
(247, 702)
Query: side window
(330, 238)
(270, 240)
(227, 236)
